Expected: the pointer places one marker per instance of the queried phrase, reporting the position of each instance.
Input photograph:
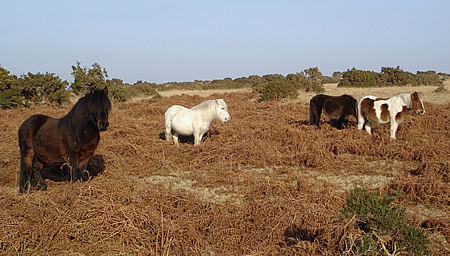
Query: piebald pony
(393, 110)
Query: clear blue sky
(162, 41)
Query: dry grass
(264, 183)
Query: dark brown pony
(336, 107)
(72, 139)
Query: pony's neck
(79, 119)
(405, 99)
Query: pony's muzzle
(226, 119)
(102, 126)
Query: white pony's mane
(204, 105)
(208, 107)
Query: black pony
(336, 107)
(72, 139)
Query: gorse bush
(32, 89)
(383, 225)
(87, 78)
(357, 78)
(277, 90)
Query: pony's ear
(106, 90)
(92, 90)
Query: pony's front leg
(83, 175)
(75, 170)
(198, 138)
(393, 128)
(37, 181)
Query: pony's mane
(204, 105)
(207, 108)
(82, 113)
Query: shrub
(357, 78)
(440, 89)
(44, 89)
(383, 225)
(428, 78)
(85, 78)
(12, 98)
(277, 90)
(395, 77)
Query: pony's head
(417, 104)
(222, 111)
(99, 106)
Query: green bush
(383, 225)
(44, 89)
(395, 77)
(31, 89)
(87, 78)
(357, 78)
(428, 78)
(12, 98)
(277, 90)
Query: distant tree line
(48, 89)
(388, 76)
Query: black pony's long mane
(83, 114)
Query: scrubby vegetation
(382, 225)
(31, 89)
(49, 89)
(388, 76)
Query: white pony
(195, 121)
(393, 110)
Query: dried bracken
(266, 182)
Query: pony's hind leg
(361, 121)
(175, 139)
(314, 114)
(339, 122)
(168, 130)
(26, 170)
(368, 127)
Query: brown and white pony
(393, 110)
